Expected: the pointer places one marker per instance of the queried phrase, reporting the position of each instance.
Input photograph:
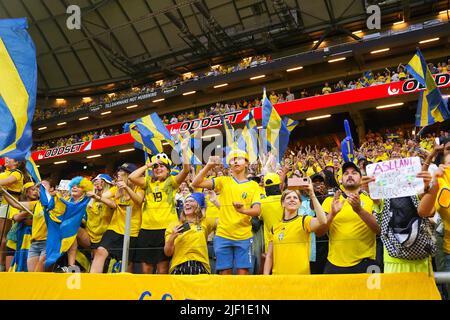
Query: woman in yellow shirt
(119, 197)
(12, 180)
(186, 240)
(289, 241)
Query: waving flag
(230, 142)
(195, 144)
(63, 218)
(149, 132)
(347, 144)
(248, 140)
(431, 107)
(22, 246)
(32, 168)
(18, 83)
(277, 132)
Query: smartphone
(186, 227)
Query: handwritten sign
(63, 185)
(395, 178)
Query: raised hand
(336, 205)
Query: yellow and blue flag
(277, 132)
(248, 140)
(18, 85)
(194, 143)
(431, 106)
(32, 168)
(230, 142)
(63, 218)
(149, 132)
(23, 236)
(347, 147)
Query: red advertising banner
(286, 108)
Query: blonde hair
(198, 215)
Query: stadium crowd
(367, 79)
(310, 214)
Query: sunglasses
(157, 165)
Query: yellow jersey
(291, 246)
(191, 245)
(271, 214)
(159, 207)
(98, 219)
(351, 240)
(232, 224)
(118, 219)
(39, 227)
(14, 188)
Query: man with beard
(352, 226)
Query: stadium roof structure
(125, 43)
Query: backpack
(404, 233)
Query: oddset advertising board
(292, 107)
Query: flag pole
(126, 240)
(3, 190)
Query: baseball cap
(350, 164)
(317, 176)
(104, 177)
(271, 179)
(127, 167)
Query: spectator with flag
(159, 207)
(12, 180)
(24, 256)
(63, 217)
(431, 107)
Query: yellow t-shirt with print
(271, 214)
(351, 240)
(291, 246)
(232, 224)
(39, 227)
(98, 219)
(159, 207)
(191, 244)
(118, 219)
(16, 187)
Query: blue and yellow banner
(18, 85)
(431, 106)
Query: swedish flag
(63, 218)
(248, 140)
(194, 143)
(230, 142)
(23, 235)
(18, 83)
(277, 132)
(149, 132)
(431, 107)
(32, 168)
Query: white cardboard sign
(395, 178)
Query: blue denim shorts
(37, 249)
(233, 253)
